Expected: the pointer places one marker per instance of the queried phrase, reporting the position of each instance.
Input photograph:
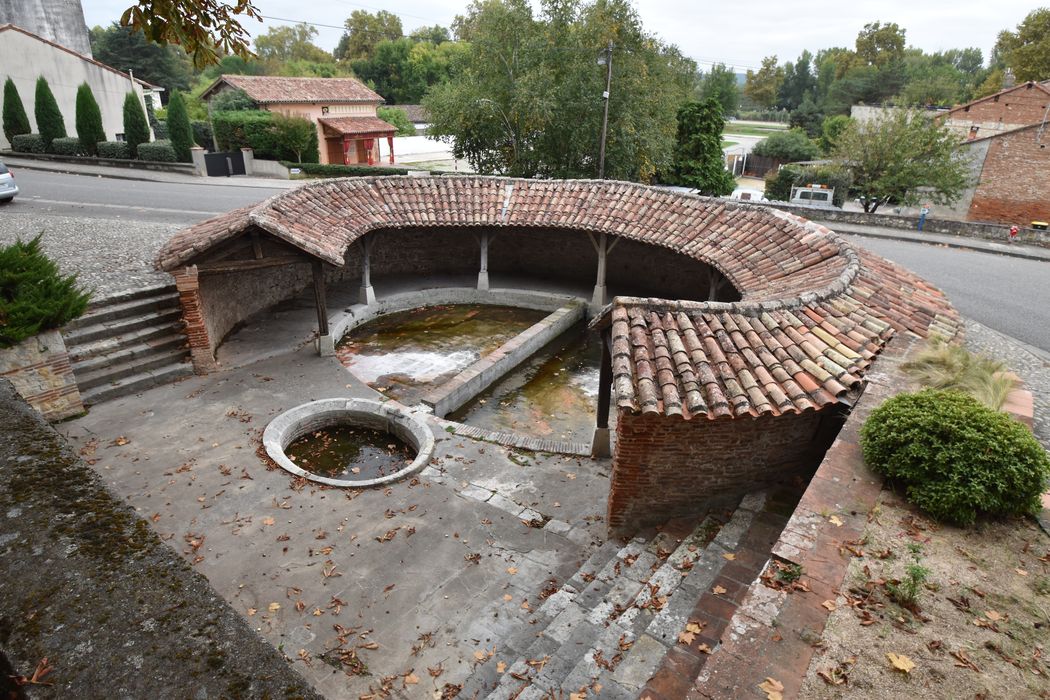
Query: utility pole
(606, 59)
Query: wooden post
(319, 299)
(390, 142)
(601, 444)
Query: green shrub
(319, 170)
(181, 133)
(136, 128)
(398, 118)
(788, 146)
(955, 457)
(159, 151)
(232, 100)
(48, 115)
(202, 133)
(780, 182)
(15, 119)
(28, 143)
(89, 120)
(114, 149)
(68, 146)
(34, 297)
(270, 136)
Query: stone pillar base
(326, 346)
(483, 281)
(601, 445)
(367, 295)
(598, 298)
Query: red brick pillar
(188, 286)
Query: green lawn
(752, 130)
(727, 144)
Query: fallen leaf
(411, 679)
(718, 590)
(507, 597)
(500, 667)
(120, 441)
(829, 604)
(268, 521)
(694, 627)
(703, 648)
(480, 655)
(773, 689)
(251, 611)
(274, 607)
(512, 570)
(835, 520)
(993, 615)
(1021, 572)
(686, 638)
(729, 555)
(900, 662)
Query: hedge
(343, 170)
(136, 128)
(158, 151)
(68, 146)
(48, 116)
(114, 149)
(28, 143)
(253, 129)
(202, 133)
(88, 120)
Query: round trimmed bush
(159, 151)
(67, 146)
(114, 149)
(27, 143)
(956, 458)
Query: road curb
(201, 181)
(1015, 253)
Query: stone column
(197, 153)
(601, 444)
(483, 274)
(188, 285)
(249, 161)
(368, 294)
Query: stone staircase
(608, 629)
(128, 342)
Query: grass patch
(751, 130)
(727, 144)
(941, 365)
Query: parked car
(8, 188)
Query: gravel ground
(107, 255)
(1031, 364)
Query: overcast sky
(736, 33)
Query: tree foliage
(790, 145)
(527, 98)
(397, 117)
(290, 43)
(179, 129)
(903, 157)
(206, 29)
(15, 119)
(698, 159)
(136, 128)
(364, 31)
(403, 70)
(1027, 50)
(128, 49)
(720, 84)
(49, 121)
(763, 85)
(232, 100)
(88, 120)
(297, 135)
(34, 296)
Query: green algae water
(553, 395)
(350, 453)
(405, 354)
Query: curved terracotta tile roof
(814, 312)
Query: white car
(8, 188)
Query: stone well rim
(288, 426)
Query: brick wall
(40, 371)
(1015, 181)
(1024, 105)
(666, 467)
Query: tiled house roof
(270, 89)
(814, 312)
(357, 126)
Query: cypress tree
(179, 129)
(48, 116)
(16, 121)
(136, 129)
(89, 120)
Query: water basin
(350, 453)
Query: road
(1007, 294)
(102, 198)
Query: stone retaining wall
(482, 374)
(40, 371)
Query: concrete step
(161, 345)
(599, 613)
(107, 373)
(130, 294)
(125, 309)
(154, 336)
(120, 326)
(136, 383)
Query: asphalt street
(1007, 294)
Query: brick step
(110, 312)
(110, 373)
(150, 335)
(136, 383)
(160, 345)
(600, 610)
(117, 327)
(131, 294)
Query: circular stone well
(326, 413)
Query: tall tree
(290, 43)
(526, 96)
(136, 128)
(798, 82)
(903, 157)
(364, 30)
(880, 44)
(179, 129)
(698, 158)
(49, 121)
(1027, 50)
(435, 34)
(206, 29)
(126, 49)
(763, 85)
(88, 120)
(721, 84)
(15, 119)
(387, 70)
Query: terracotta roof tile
(268, 89)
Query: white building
(24, 57)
